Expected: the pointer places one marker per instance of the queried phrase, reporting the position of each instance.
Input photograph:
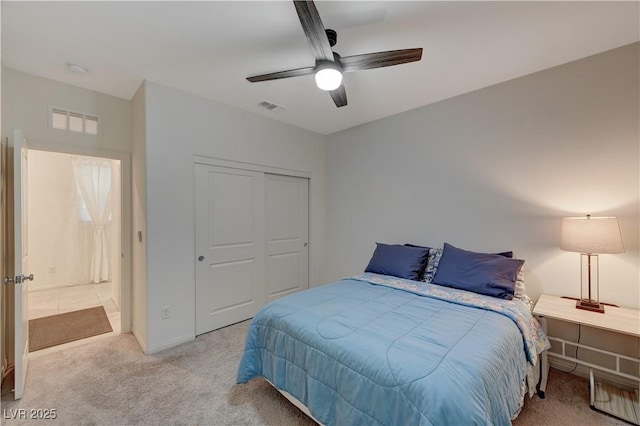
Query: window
(59, 119)
(91, 124)
(78, 122)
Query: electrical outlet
(165, 312)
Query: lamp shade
(591, 235)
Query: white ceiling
(209, 48)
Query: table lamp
(591, 236)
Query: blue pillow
(506, 254)
(399, 261)
(483, 273)
(426, 266)
(434, 259)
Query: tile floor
(43, 303)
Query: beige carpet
(110, 382)
(64, 328)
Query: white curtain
(93, 177)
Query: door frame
(126, 212)
(20, 267)
(230, 164)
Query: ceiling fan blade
(380, 59)
(314, 30)
(282, 74)
(339, 96)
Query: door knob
(18, 279)
(200, 258)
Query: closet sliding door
(287, 235)
(251, 242)
(230, 247)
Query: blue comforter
(382, 350)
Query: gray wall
(498, 169)
(26, 99)
(178, 126)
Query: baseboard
(583, 371)
(140, 340)
(169, 344)
(42, 287)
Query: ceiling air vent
(270, 106)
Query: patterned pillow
(432, 264)
(520, 289)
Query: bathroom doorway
(74, 239)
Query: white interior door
(287, 235)
(3, 246)
(230, 246)
(21, 267)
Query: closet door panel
(287, 235)
(230, 245)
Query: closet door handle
(200, 258)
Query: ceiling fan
(329, 65)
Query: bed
(380, 349)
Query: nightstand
(604, 397)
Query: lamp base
(590, 305)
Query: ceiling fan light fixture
(329, 65)
(328, 76)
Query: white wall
(497, 169)
(178, 126)
(54, 258)
(25, 101)
(26, 98)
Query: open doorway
(74, 240)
